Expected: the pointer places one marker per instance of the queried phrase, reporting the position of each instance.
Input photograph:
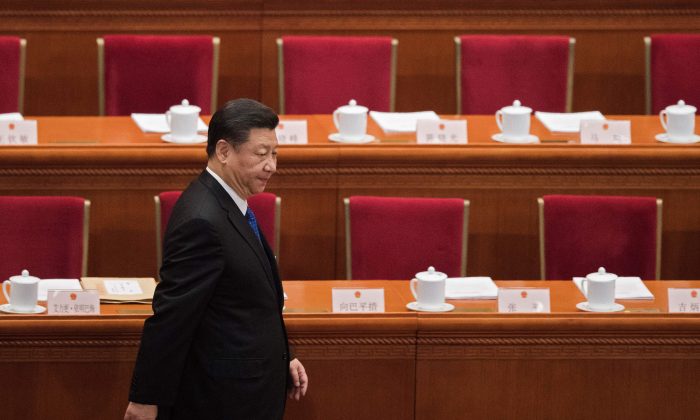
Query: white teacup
(599, 289)
(514, 120)
(678, 121)
(428, 287)
(182, 120)
(351, 121)
(24, 292)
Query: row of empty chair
(386, 237)
(317, 74)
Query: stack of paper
(12, 116)
(470, 288)
(57, 284)
(122, 289)
(566, 122)
(625, 288)
(401, 122)
(156, 123)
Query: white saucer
(338, 139)
(198, 139)
(8, 309)
(664, 138)
(530, 138)
(584, 307)
(445, 307)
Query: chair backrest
(265, 205)
(394, 238)
(494, 70)
(46, 235)
(148, 74)
(672, 68)
(578, 234)
(317, 74)
(164, 203)
(12, 70)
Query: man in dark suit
(216, 345)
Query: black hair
(234, 121)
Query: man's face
(248, 168)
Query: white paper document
(122, 287)
(566, 122)
(57, 284)
(401, 122)
(156, 123)
(12, 116)
(626, 288)
(470, 288)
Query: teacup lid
(601, 275)
(431, 275)
(185, 108)
(352, 108)
(681, 108)
(25, 278)
(516, 108)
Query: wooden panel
(471, 363)
(61, 53)
(540, 369)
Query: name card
(347, 300)
(18, 132)
(523, 300)
(605, 132)
(73, 302)
(441, 131)
(683, 300)
(292, 132)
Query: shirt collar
(240, 203)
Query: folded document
(156, 123)
(401, 122)
(57, 284)
(470, 288)
(569, 122)
(122, 289)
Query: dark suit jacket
(216, 345)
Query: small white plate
(338, 139)
(664, 138)
(445, 307)
(169, 138)
(530, 138)
(584, 307)
(8, 309)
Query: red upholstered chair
(164, 203)
(46, 235)
(317, 74)
(578, 234)
(494, 70)
(12, 65)
(672, 68)
(394, 238)
(265, 205)
(148, 74)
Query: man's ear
(223, 149)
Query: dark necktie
(250, 216)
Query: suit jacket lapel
(239, 222)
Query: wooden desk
(471, 363)
(109, 161)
